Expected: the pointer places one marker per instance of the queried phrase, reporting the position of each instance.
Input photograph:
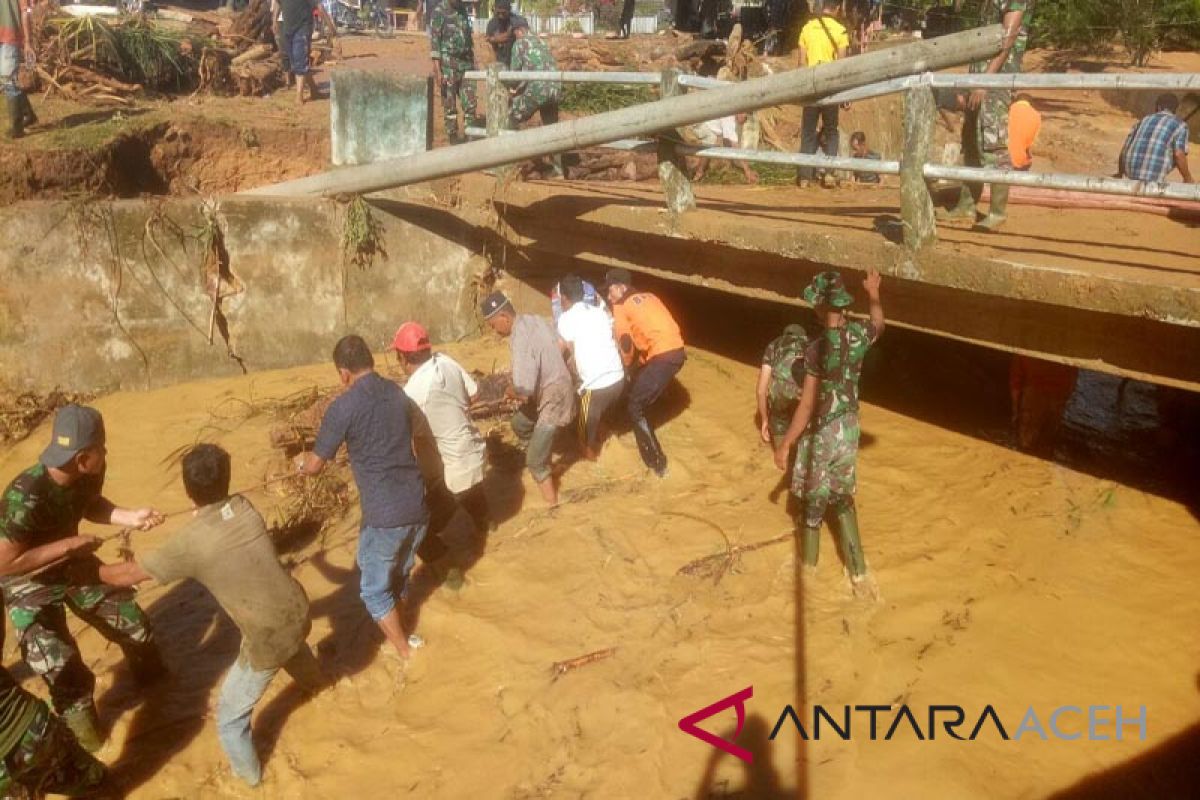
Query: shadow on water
(1166, 771)
(760, 778)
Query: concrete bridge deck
(1116, 291)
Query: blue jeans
(244, 686)
(10, 60)
(384, 554)
(298, 47)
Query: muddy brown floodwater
(1007, 581)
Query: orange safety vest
(642, 323)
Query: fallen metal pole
(793, 159)
(646, 118)
(1075, 183)
(1132, 82)
(521, 76)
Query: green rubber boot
(810, 544)
(964, 209)
(849, 540)
(997, 212)
(84, 723)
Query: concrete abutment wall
(104, 295)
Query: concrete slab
(378, 115)
(1114, 291)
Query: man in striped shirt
(1157, 144)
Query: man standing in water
(644, 329)
(540, 380)
(826, 459)
(372, 418)
(39, 527)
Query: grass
(725, 173)
(595, 98)
(97, 128)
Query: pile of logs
(206, 52)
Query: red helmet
(410, 338)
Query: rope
(126, 531)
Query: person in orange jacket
(645, 331)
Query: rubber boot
(810, 544)
(849, 541)
(997, 211)
(27, 116)
(964, 209)
(84, 723)
(649, 448)
(16, 117)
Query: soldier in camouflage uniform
(824, 475)
(48, 568)
(453, 53)
(38, 754)
(985, 123)
(778, 392)
(531, 53)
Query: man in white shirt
(722, 132)
(586, 332)
(442, 390)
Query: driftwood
(254, 53)
(717, 565)
(561, 668)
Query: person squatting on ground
(722, 132)
(16, 41)
(453, 53)
(43, 507)
(39, 754)
(985, 121)
(227, 550)
(1157, 144)
(647, 334)
(822, 39)
(450, 449)
(826, 421)
(372, 417)
(499, 32)
(859, 149)
(586, 332)
(541, 382)
(296, 31)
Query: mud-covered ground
(1007, 580)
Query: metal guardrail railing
(1065, 81)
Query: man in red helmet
(443, 391)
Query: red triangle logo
(738, 700)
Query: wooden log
(672, 167)
(794, 86)
(916, 203)
(255, 53)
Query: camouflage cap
(796, 331)
(827, 289)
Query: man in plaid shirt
(1157, 144)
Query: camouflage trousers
(455, 89)
(39, 617)
(48, 760)
(985, 132)
(536, 96)
(826, 466)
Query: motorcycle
(360, 15)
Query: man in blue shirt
(1156, 145)
(372, 418)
